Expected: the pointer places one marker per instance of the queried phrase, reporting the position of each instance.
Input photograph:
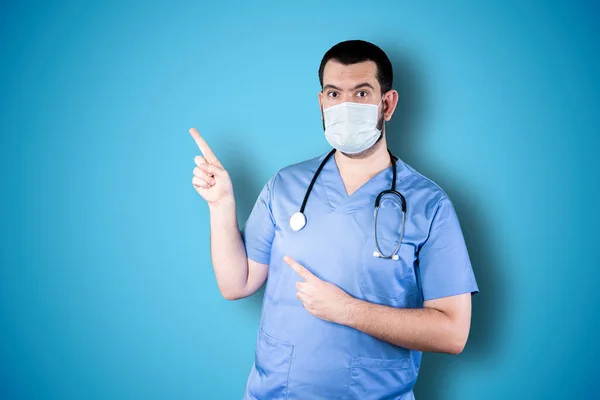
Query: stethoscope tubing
(392, 191)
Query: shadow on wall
(437, 370)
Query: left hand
(322, 299)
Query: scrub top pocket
(372, 378)
(271, 370)
(387, 281)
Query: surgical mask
(351, 127)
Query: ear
(321, 105)
(390, 102)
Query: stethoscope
(298, 219)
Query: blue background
(106, 285)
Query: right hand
(210, 180)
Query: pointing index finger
(202, 145)
(300, 270)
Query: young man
(352, 297)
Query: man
(346, 312)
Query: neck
(376, 160)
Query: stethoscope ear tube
(395, 193)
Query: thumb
(212, 169)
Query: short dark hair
(355, 51)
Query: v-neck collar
(335, 190)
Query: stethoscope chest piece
(297, 221)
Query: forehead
(340, 75)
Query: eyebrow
(355, 87)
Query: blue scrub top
(300, 356)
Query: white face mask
(351, 127)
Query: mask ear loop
(382, 125)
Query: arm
(442, 325)
(237, 276)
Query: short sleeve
(444, 263)
(259, 229)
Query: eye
(362, 93)
(332, 94)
